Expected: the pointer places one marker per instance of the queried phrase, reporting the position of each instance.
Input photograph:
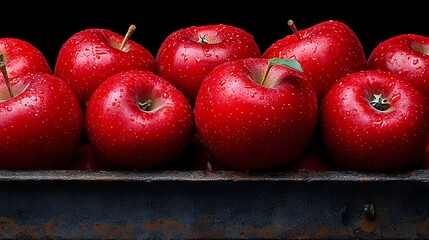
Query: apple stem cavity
(203, 40)
(6, 77)
(145, 106)
(379, 102)
(286, 62)
(130, 31)
(292, 26)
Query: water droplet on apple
(165, 95)
(415, 61)
(206, 52)
(403, 72)
(395, 98)
(222, 82)
(392, 59)
(378, 122)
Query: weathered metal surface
(227, 205)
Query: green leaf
(290, 63)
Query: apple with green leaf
(256, 113)
(326, 51)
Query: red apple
(90, 56)
(406, 55)
(326, 51)
(253, 114)
(41, 122)
(187, 55)
(374, 120)
(138, 120)
(85, 159)
(21, 57)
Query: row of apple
(211, 96)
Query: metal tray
(70, 204)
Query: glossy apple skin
(184, 61)
(406, 55)
(326, 51)
(245, 125)
(21, 57)
(41, 125)
(90, 56)
(123, 136)
(358, 136)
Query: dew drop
(395, 98)
(206, 52)
(378, 122)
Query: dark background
(47, 26)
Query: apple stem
(6, 77)
(286, 62)
(130, 31)
(145, 105)
(267, 69)
(379, 102)
(292, 26)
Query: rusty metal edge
(203, 176)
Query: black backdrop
(47, 26)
